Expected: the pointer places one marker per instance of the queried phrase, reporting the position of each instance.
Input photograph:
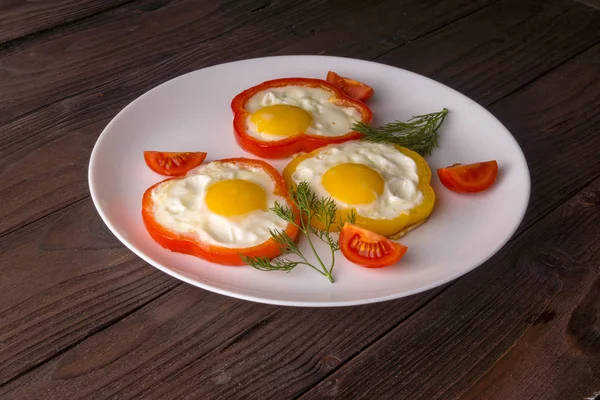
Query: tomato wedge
(173, 164)
(469, 178)
(355, 89)
(368, 249)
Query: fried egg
(374, 179)
(281, 112)
(221, 203)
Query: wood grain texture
(563, 345)
(532, 289)
(20, 18)
(543, 115)
(439, 352)
(501, 47)
(127, 42)
(196, 351)
(62, 279)
(591, 3)
(569, 328)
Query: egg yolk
(353, 183)
(281, 120)
(235, 197)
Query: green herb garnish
(418, 134)
(322, 209)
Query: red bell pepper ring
(301, 142)
(190, 244)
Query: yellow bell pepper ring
(396, 227)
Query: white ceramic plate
(192, 113)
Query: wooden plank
(570, 327)
(292, 349)
(542, 287)
(31, 139)
(513, 38)
(563, 104)
(259, 351)
(62, 279)
(119, 46)
(81, 57)
(592, 3)
(20, 18)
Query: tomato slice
(369, 249)
(355, 89)
(173, 164)
(469, 178)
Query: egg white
(399, 172)
(179, 206)
(329, 119)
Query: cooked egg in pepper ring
(223, 203)
(280, 112)
(282, 117)
(387, 186)
(219, 210)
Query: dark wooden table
(82, 317)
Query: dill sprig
(321, 209)
(418, 133)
